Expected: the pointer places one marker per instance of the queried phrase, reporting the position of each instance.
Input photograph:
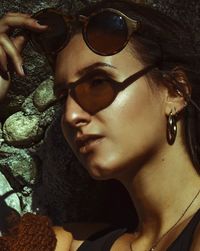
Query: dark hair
(167, 43)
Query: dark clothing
(103, 241)
(184, 240)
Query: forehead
(77, 56)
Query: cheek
(139, 119)
(134, 128)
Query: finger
(3, 60)
(18, 14)
(12, 52)
(9, 21)
(19, 42)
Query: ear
(178, 90)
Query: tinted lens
(94, 96)
(55, 36)
(106, 33)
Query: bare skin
(163, 185)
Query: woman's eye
(99, 82)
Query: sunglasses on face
(96, 90)
(105, 32)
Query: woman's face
(132, 128)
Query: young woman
(128, 79)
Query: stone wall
(25, 115)
(35, 161)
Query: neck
(162, 189)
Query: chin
(101, 171)
(99, 174)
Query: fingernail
(40, 23)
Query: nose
(74, 115)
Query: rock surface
(44, 96)
(13, 200)
(22, 131)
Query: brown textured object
(33, 233)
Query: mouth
(87, 143)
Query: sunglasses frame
(51, 56)
(132, 26)
(116, 85)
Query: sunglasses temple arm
(149, 68)
(186, 96)
(138, 75)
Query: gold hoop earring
(171, 128)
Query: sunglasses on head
(106, 32)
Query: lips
(86, 140)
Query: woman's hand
(11, 47)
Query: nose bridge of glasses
(71, 100)
(72, 93)
(73, 112)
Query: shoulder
(196, 239)
(71, 236)
(64, 239)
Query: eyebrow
(83, 72)
(90, 68)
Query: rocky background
(35, 161)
